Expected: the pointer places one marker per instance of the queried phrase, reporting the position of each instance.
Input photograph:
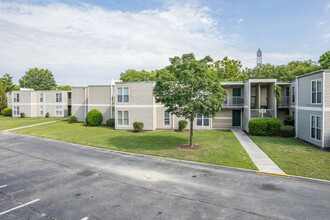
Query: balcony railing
(234, 101)
(285, 101)
(262, 113)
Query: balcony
(262, 113)
(234, 101)
(285, 102)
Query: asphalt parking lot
(46, 179)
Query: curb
(214, 166)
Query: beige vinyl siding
(304, 96)
(327, 90)
(326, 131)
(246, 112)
(139, 93)
(144, 115)
(99, 95)
(223, 119)
(78, 103)
(105, 110)
(160, 119)
(304, 124)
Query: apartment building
(312, 107)
(38, 103)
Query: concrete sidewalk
(259, 158)
(28, 126)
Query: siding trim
(229, 118)
(309, 108)
(135, 106)
(38, 103)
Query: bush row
(270, 127)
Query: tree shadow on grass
(147, 142)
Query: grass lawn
(296, 157)
(220, 147)
(9, 122)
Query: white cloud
(320, 23)
(326, 8)
(89, 45)
(240, 20)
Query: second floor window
(58, 97)
(41, 97)
(123, 94)
(293, 94)
(317, 91)
(203, 120)
(16, 97)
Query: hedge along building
(57, 103)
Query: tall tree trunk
(191, 132)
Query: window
(166, 118)
(316, 91)
(123, 96)
(58, 110)
(41, 110)
(16, 97)
(69, 95)
(41, 97)
(316, 127)
(123, 118)
(203, 120)
(293, 94)
(16, 110)
(58, 97)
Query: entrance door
(236, 117)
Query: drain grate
(86, 173)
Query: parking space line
(25, 204)
(3, 186)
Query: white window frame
(16, 111)
(293, 94)
(316, 91)
(16, 97)
(122, 95)
(41, 97)
(203, 117)
(42, 110)
(58, 97)
(311, 126)
(58, 110)
(123, 118)
(164, 118)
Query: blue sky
(90, 42)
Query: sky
(89, 42)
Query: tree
(7, 81)
(67, 87)
(324, 60)
(187, 88)
(131, 75)
(229, 70)
(38, 79)
(3, 97)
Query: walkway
(28, 126)
(259, 158)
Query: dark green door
(69, 110)
(236, 96)
(236, 117)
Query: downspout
(323, 106)
(297, 106)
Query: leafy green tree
(187, 88)
(38, 79)
(7, 81)
(135, 76)
(229, 70)
(3, 97)
(67, 87)
(324, 60)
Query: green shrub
(94, 118)
(73, 119)
(265, 127)
(22, 115)
(7, 112)
(288, 120)
(182, 124)
(287, 131)
(47, 115)
(110, 122)
(138, 126)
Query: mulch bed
(140, 132)
(176, 130)
(187, 147)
